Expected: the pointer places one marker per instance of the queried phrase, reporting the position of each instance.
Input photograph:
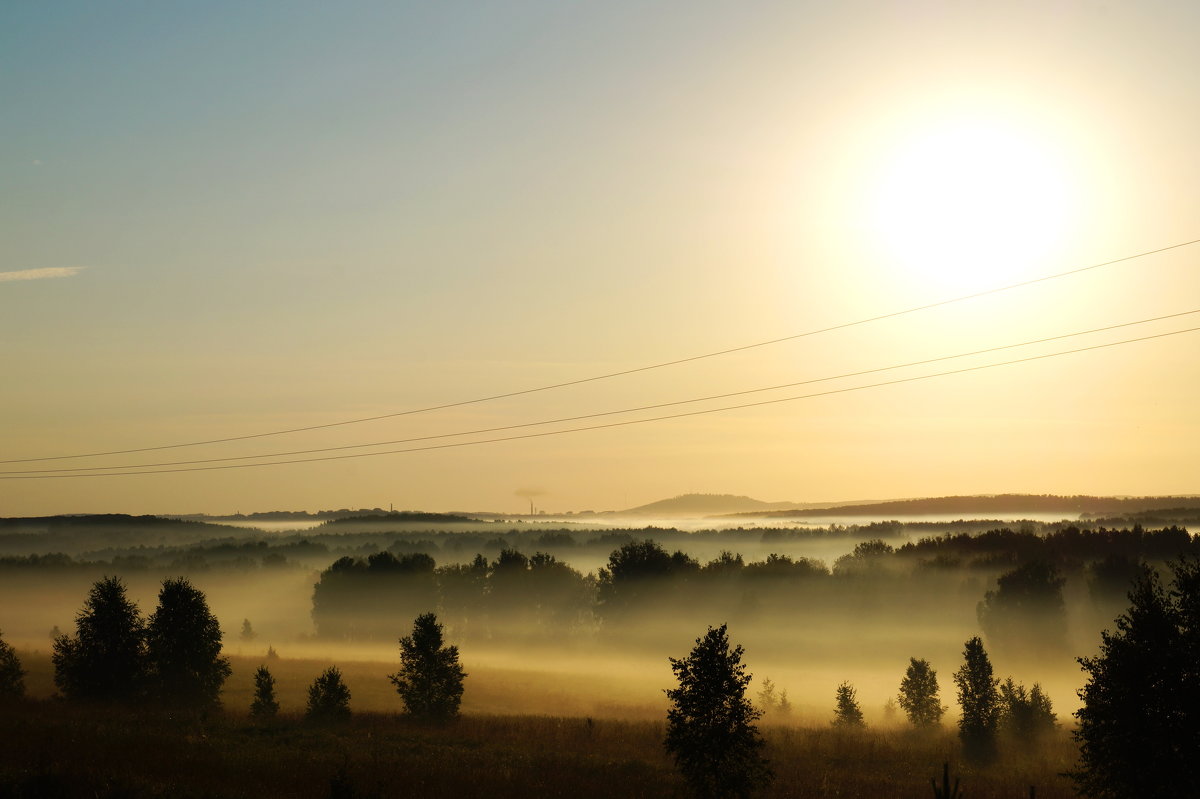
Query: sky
(225, 219)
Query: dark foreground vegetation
(54, 749)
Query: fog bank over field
(583, 615)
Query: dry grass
(50, 748)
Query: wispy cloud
(41, 274)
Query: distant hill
(703, 505)
(999, 503)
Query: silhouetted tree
(1026, 611)
(639, 575)
(106, 658)
(430, 680)
(183, 646)
(919, 694)
(710, 724)
(980, 702)
(248, 633)
(1025, 715)
(767, 700)
(328, 697)
(846, 712)
(12, 682)
(264, 705)
(1139, 727)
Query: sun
(970, 204)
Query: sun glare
(970, 205)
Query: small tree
(12, 682)
(183, 644)
(710, 724)
(785, 704)
(430, 680)
(264, 706)
(847, 713)
(328, 697)
(980, 703)
(919, 694)
(767, 700)
(106, 659)
(1026, 715)
(247, 633)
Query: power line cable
(622, 373)
(607, 425)
(607, 413)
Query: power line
(607, 425)
(622, 373)
(607, 413)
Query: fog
(581, 619)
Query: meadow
(510, 741)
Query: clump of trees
(12, 676)
(116, 656)
(1139, 726)
(430, 679)
(328, 698)
(710, 725)
(919, 694)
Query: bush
(328, 697)
(106, 659)
(430, 680)
(710, 725)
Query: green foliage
(264, 705)
(1139, 726)
(328, 698)
(847, 713)
(12, 683)
(183, 647)
(980, 702)
(710, 724)
(430, 679)
(919, 694)
(106, 658)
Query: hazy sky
(222, 219)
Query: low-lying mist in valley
(581, 620)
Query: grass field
(53, 749)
